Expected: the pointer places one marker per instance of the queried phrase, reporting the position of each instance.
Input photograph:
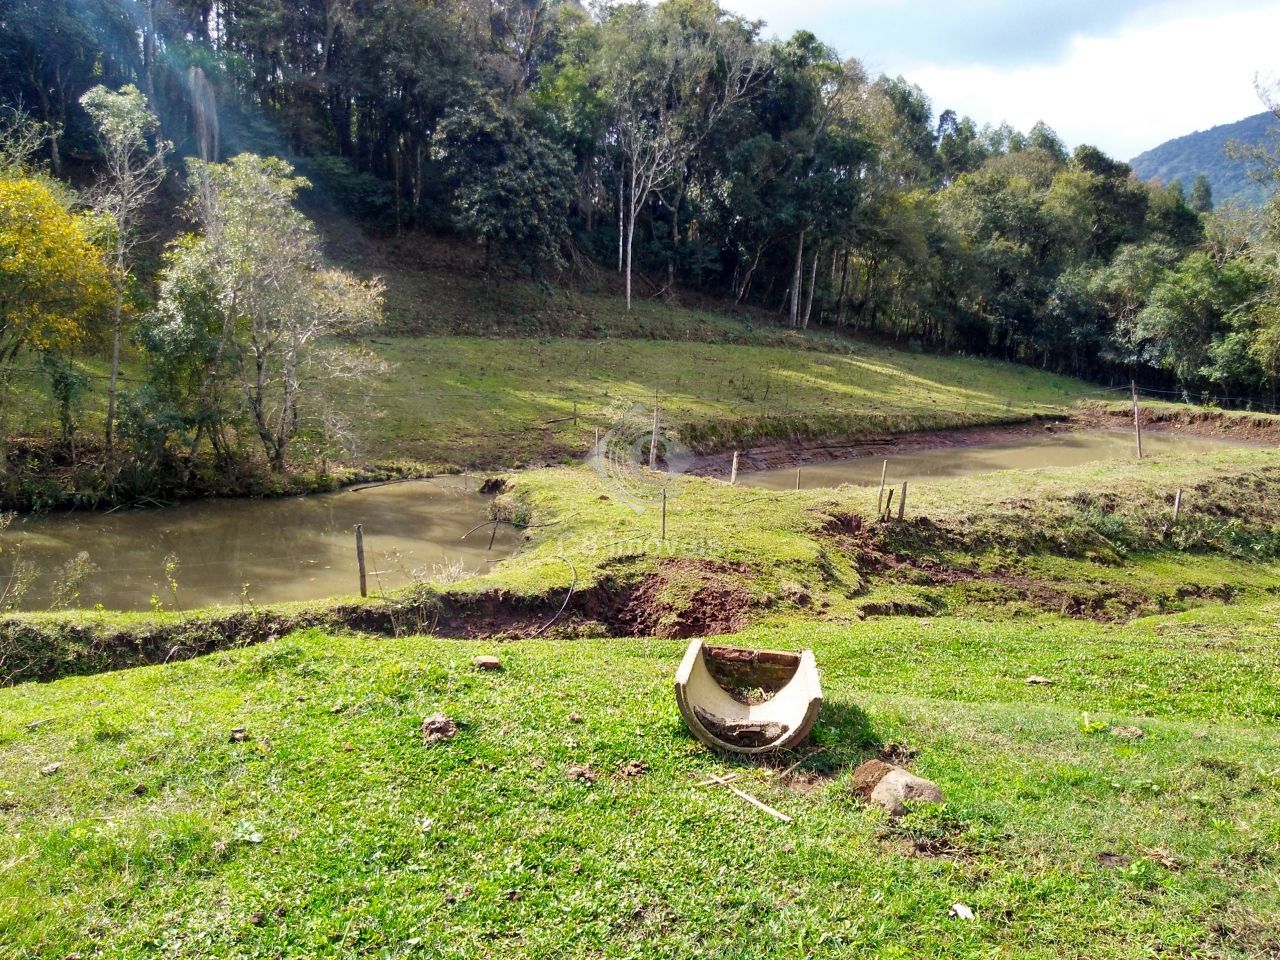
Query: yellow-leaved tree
(54, 289)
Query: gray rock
(487, 663)
(898, 786)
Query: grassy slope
(146, 839)
(372, 844)
(470, 401)
(457, 394)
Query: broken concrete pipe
(708, 675)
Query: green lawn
(333, 831)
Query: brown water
(1063, 449)
(300, 548)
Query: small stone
(1128, 733)
(438, 727)
(961, 911)
(899, 786)
(487, 663)
(258, 918)
(140, 790)
(239, 734)
(50, 769)
(1036, 681)
(581, 774)
(513, 895)
(575, 718)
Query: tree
(510, 189)
(669, 81)
(132, 173)
(53, 286)
(277, 305)
(1201, 194)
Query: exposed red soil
(680, 598)
(1104, 602)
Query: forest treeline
(676, 141)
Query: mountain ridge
(1204, 151)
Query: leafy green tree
(510, 189)
(133, 170)
(277, 305)
(1201, 194)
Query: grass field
(471, 401)
(1122, 808)
(331, 829)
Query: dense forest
(1215, 154)
(673, 143)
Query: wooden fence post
(733, 470)
(884, 472)
(364, 586)
(1137, 423)
(902, 501)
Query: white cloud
(1128, 91)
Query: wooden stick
(595, 447)
(902, 501)
(1137, 423)
(664, 513)
(714, 781)
(364, 586)
(797, 478)
(750, 799)
(884, 472)
(888, 506)
(653, 440)
(733, 470)
(1177, 505)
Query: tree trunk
(844, 278)
(631, 235)
(620, 230)
(116, 335)
(797, 281)
(813, 283)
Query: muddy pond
(1066, 448)
(234, 552)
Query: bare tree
(669, 87)
(133, 171)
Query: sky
(1123, 75)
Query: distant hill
(1204, 152)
